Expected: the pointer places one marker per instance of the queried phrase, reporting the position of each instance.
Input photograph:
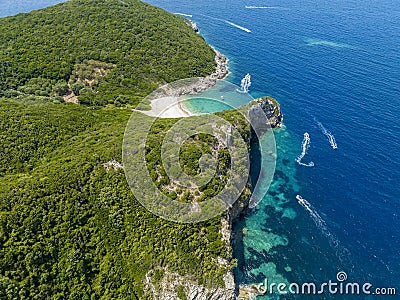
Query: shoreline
(165, 102)
(185, 110)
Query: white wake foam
(342, 252)
(314, 215)
(228, 22)
(329, 136)
(238, 26)
(304, 147)
(262, 7)
(245, 84)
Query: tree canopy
(114, 48)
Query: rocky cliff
(172, 285)
(271, 109)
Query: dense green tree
(116, 47)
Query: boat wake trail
(314, 215)
(228, 22)
(329, 136)
(304, 146)
(238, 26)
(342, 252)
(263, 7)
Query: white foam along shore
(167, 101)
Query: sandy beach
(167, 107)
(167, 102)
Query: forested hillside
(105, 51)
(70, 227)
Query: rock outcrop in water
(264, 113)
(270, 108)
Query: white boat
(299, 199)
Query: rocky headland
(166, 289)
(271, 109)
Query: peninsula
(69, 224)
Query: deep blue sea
(332, 64)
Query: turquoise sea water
(222, 96)
(334, 62)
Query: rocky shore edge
(171, 281)
(271, 109)
(193, 86)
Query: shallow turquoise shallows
(223, 96)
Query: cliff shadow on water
(239, 224)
